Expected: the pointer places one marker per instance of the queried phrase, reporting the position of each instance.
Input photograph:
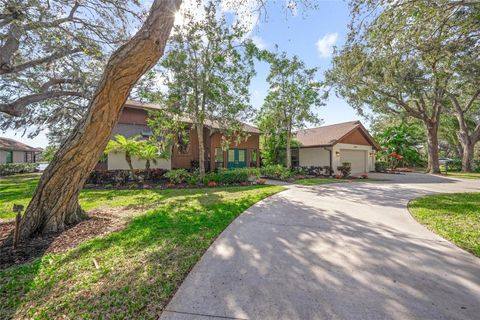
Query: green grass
(464, 175)
(319, 181)
(140, 266)
(455, 217)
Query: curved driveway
(342, 251)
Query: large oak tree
(52, 53)
(403, 57)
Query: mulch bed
(97, 224)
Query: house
(133, 122)
(12, 151)
(335, 144)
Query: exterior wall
(184, 160)
(252, 142)
(3, 157)
(355, 137)
(317, 157)
(368, 153)
(18, 156)
(133, 116)
(133, 122)
(117, 161)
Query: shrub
(230, 176)
(313, 171)
(276, 172)
(212, 184)
(194, 178)
(16, 168)
(456, 165)
(328, 170)
(380, 166)
(123, 177)
(177, 176)
(345, 169)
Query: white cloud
(325, 44)
(259, 42)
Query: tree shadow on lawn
(139, 267)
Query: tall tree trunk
(467, 155)
(432, 146)
(289, 152)
(201, 150)
(55, 201)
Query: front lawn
(464, 175)
(455, 217)
(318, 181)
(140, 267)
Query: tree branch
(18, 107)
(7, 69)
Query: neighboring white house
(335, 144)
(12, 151)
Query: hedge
(456, 165)
(125, 176)
(16, 168)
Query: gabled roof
(332, 134)
(209, 123)
(14, 145)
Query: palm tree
(148, 152)
(129, 146)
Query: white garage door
(357, 158)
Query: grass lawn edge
(439, 233)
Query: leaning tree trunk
(432, 146)
(55, 201)
(201, 150)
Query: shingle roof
(329, 135)
(10, 144)
(208, 123)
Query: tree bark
(55, 201)
(466, 138)
(467, 155)
(289, 152)
(432, 144)
(201, 150)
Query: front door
(237, 158)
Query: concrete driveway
(343, 251)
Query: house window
(9, 158)
(218, 158)
(253, 157)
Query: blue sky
(310, 35)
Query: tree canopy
(51, 55)
(206, 74)
(292, 96)
(405, 57)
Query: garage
(334, 144)
(357, 159)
